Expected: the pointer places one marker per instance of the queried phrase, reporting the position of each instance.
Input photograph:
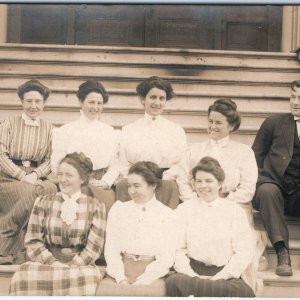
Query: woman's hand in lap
(99, 183)
(30, 178)
(59, 264)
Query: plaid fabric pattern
(46, 230)
(36, 279)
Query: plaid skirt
(36, 279)
(167, 193)
(16, 203)
(181, 285)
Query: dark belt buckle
(136, 257)
(66, 251)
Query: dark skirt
(106, 196)
(181, 285)
(16, 202)
(167, 193)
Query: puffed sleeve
(6, 164)
(112, 251)
(182, 262)
(248, 172)
(242, 246)
(58, 147)
(35, 235)
(164, 260)
(95, 239)
(113, 168)
(124, 164)
(44, 168)
(184, 177)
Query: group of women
(59, 187)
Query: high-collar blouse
(97, 140)
(141, 230)
(215, 233)
(21, 141)
(238, 162)
(152, 139)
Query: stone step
(158, 56)
(126, 72)
(119, 115)
(191, 88)
(186, 101)
(280, 286)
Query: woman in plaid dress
(64, 237)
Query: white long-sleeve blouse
(97, 140)
(238, 162)
(215, 233)
(157, 140)
(140, 230)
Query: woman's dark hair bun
(227, 102)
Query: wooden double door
(238, 27)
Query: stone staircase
(278, 286)
(258, 82)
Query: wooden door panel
(121, 25)
(187, 26)
(248, 28)
(42, 24)
(237, 27)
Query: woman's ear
(142, 99)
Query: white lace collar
(69, 207)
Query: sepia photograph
(150, 149)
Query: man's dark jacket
(273, 147)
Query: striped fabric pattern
(46, 230)
(22, 142)
(16, 202)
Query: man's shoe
(284, 263)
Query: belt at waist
(137, 257)
(25, 163)
(65, 250)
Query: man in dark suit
(277, 152)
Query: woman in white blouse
(140, 243)
(238, 162)
(154, 138)
(95, 139)
(214, 241)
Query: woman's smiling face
(206, 186)
(218, 126)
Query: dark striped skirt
(109, 287)
(181, 285)
(167, 193)
(16, 203)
